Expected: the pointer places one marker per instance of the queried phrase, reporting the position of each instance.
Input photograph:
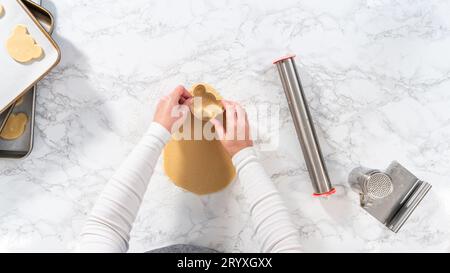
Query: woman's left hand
(172, 107)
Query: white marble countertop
(377, 75)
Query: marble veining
(376, 73)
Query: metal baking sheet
(21, 147)
(46, 20)
(43, 16)
(4, 116)
(18, 78)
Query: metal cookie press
(390, 196)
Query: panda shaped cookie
(21, 45)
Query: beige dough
(21, 46)
(1, 10)
(199, 166)
(210, 105)
(14, 127)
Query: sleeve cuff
(159, 131)
(243, 156)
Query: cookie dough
(2, 10)
(207, 103)
(14, 127)
(21, 46)
(199, 166)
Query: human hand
(172, 107)
(236, 134)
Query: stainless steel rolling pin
(304, 126)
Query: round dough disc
(199, 166)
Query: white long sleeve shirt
(108, 227)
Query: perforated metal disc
(378, 185)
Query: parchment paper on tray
(18, 77)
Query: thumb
(219, 128)
(179, 93)
(188, 102)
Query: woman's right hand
(170, 107)
(235, 136)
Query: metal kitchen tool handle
(304, 126)
(418, 193)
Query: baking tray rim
(32, 121)
(44, 10)
(52, 42)
(50, 31)
(32, 89)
